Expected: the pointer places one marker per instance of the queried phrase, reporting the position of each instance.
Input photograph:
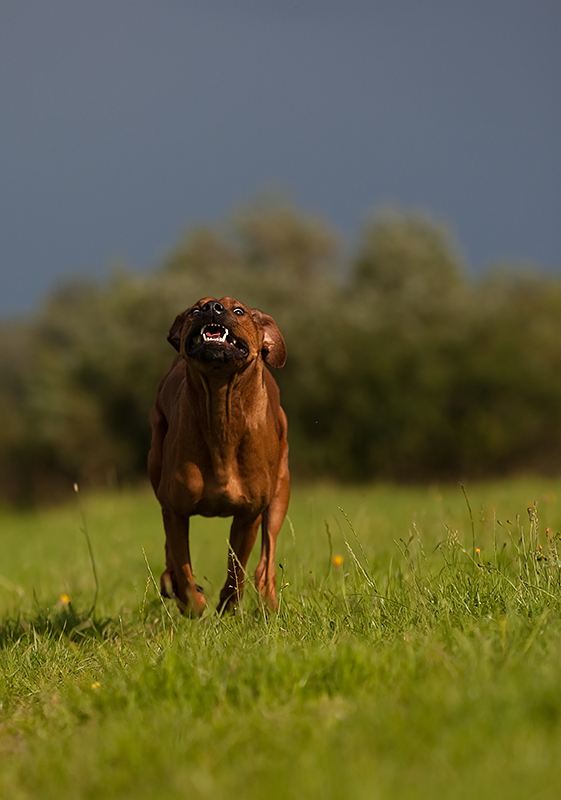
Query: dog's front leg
(243, 534)
(178, 580)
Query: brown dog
(219, 445)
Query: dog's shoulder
(170, 384)
(273, 394)
(271, 388)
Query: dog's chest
(211, 491)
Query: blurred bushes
(400, 366)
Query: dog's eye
(195, 311)
(239, 311)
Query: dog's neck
(221, 400)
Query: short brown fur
(219, 445)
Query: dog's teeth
(207, 337)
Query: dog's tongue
(213, 335)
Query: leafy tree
(409, 258)
(400, 367)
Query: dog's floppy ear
(174, 335)
(274, 349)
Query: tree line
(401, 365)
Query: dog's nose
(213, 307)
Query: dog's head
(224, 333)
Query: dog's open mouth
(216, 341)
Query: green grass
(426, 664)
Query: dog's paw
(192, 604)
(167, 589)
(196, 603)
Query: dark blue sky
(125, 121)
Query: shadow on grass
(61, 622)
(71, 622)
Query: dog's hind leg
(243, 534)
(273, 517)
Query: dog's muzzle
(216, 342)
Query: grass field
(416, 653)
